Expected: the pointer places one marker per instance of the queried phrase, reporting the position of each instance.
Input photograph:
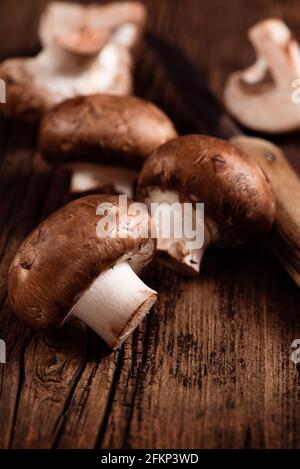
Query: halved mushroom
(260, 97)
(238, 199)
(85, 29)
(86, 50)
(69, 267)
(116, 132)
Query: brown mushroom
(86, 50)
(65, 268)
(238, 200)
(261, 96)
(116, 132)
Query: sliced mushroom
(116, 132)
(260, 97)
(238, 200)
(65, 268)
(86, 29)
(86, 50)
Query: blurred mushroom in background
(261, 96)
(85, 50)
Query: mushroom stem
(58, 59)
(274, 43)
(114, 304)
(174, 246)
(85, 41)
(87, 177)
(261, 96)
(175, 254)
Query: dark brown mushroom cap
(236, 193)
(24, 99)
(59, 260)
(105, 129)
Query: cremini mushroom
(86, 50)
(260, 97)
(238, 200)
(116, 132)
(69, 266)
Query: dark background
(210, 366)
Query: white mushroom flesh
(260, 97)
(173, 249)
(87, 49)
(62, 18)
(65, 76)
(115, 303)
(88, 177)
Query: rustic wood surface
(210, 366)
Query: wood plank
(212, 380)
(210, 366)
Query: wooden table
(210, 366)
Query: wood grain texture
(210, 366)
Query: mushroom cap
(23, 98)
(60, 259)
(105, 129)
(237, 197)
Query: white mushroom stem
(174, 246)
(174, 253)
(88, 177)
(114, 304)
(61, 18)
(275, 46)
(261, 96)
(87, 49)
